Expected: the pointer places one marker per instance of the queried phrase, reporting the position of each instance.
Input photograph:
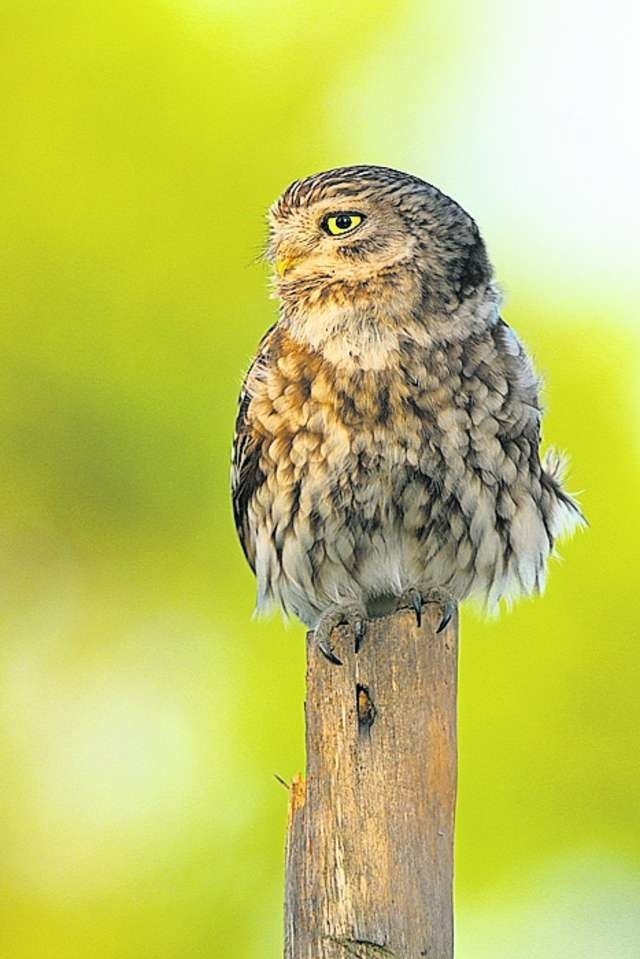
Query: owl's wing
(246, 475)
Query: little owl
(387, 441)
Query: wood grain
(370, 844)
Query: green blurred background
(142, 712)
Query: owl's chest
(360, 424)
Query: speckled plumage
(389, 428)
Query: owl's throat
(362, 331)
(350, 339)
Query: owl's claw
(416, 602)
(448, 609)
(413, 599)
(417, 599)
(351, 615)
(329, 654)
(360, 631)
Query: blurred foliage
(142, 712)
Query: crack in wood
(362, 948)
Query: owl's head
(360, 232)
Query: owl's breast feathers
(445, 437)
(300, 419)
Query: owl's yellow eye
(335, 224)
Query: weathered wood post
(369, 870)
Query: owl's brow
(328, 186)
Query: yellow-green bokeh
(142, 712)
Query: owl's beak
(285, 263)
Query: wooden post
(370, 844)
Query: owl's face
(375, 244)
(339, 236)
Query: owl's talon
(329, 654)
(417, 605)
(417, 599)
(353, 615)
(412, 599)
(448, 609)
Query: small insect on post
(369, 866)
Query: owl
(387, 441)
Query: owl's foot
(417, 599)
(352, 615)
